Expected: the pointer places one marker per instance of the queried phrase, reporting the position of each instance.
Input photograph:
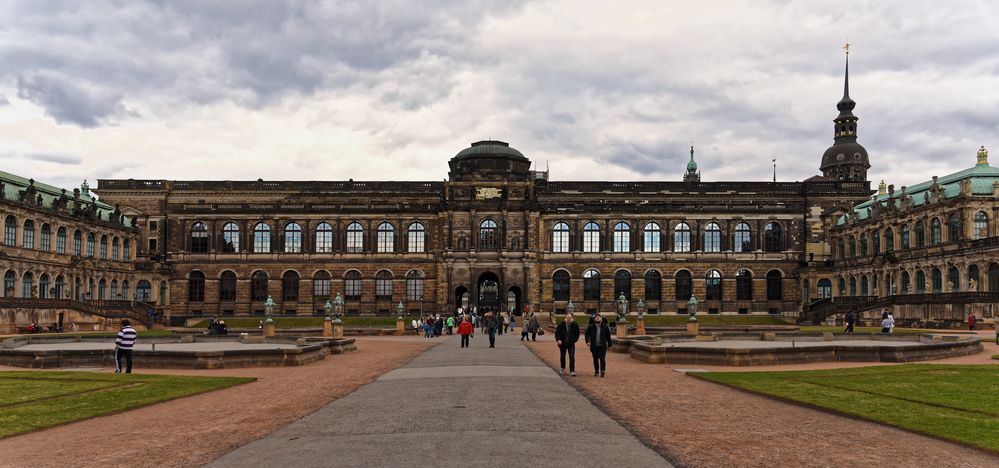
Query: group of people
(598, 338)
(216, 327)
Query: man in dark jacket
(598, 338)
(566, 335)
(850, 321)
(492, 324)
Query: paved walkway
(456, 407)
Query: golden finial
(983, 156)
(846, 47)
(882, 188)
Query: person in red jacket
(465, 329)
(971, 321)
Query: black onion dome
(489, 160)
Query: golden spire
(882, 188)
(983, 156)
(846, 47)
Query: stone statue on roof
(983, 156)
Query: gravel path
(697, 423)
(198, 429)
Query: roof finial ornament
(692, 175)
(983, 156)
(882, 188)
(85, 188)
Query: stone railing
(134, 310)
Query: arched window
(652, 236)
(61, 240)
(352, 285)
(293, 238)
(744, 285)
(775, 286)
(28, 285)
(91, 242)
(853, 286)
(876, 242)
(920, 282)
(43, 287)
(905, 237)
(974, 276)
(920, 235)
(864, 289)
(773, 238)
(953, 280)
(28, 236)
(126, 250)
(560, 237)
(487, 235)
(324, 238)
(713, 285)
(8, 283)
(227, 287)
(414, 285)
(355, 238)
(683, 286)
(853, 246)
(681, 237)
(863, 245)
(825, 288)
(104, 248)
(230, 238)
(994, 277)
(196, 287)
(591, 285)
(653, 286)
(385, 238)
(77, 242)
(289, 285)
(417, 242)
(935, 236)
(383, 285)
(258, 286)
(321, 283)
(622, 284)
(10, 231)
(591, 237)
(712, 238)
(115, 249)
(889, 240)
(743, 241)
(981, 230)
(953, 228)
(262, 238)
(622, 237)
(560, 285)
(840, 248)
(937, 281)
(199, 238)
(124, 288)
(906, 283)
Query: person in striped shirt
(123, 347)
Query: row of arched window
(871, 243)
(322, 239)
(57, 287)
(930, 280)
(683, 282)
(651, 237)
(322, 286)
(40, 237)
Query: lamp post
(328, 321)
(399, 310)
(570, 307)
(338, 322)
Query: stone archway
(488, 289)
(461, 297)
(515, 298)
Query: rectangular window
(651, 241)
(153, 226)
(114, 251)
(104, 250)
(352, 289)
(355, 241)
(152, 245)
(28, 238)
(77, 243)
(61, 243)
(322, 287)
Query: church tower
(845, 160)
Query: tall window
(825, 288)
(386, 238)
(744, 285)
(653, 286)
(417, 241)
(775, 287)
(652, 236)
(864, 289)
(591, 285)
(383, 285)
(953, 228)
(28, 236)
(905, 237)
(935, 232)
(126, 250)
(124, 288)
(355, 238)
(591, 237)
(920, 235)
(889, 240)
(230, 238)
(324, 238)
(981, 226)
(104, 248)
(43, 286)
(227, 287)
(920, 282)
(993, 277)
(622, 284)
(10, 231)
(937, 281)
(853, 286)
(8, 283)
(289, 285)
(713, 285)
(28, 283)
(743, 241)
(352, 285)
(196, 287)
(560, 285)
(953, 280)
(321, 283)
(262, 238)
(77, 242)
(842, 287)
(487, 235)
(61, 240)
(712, 238)
(199, 238)
(293, 238)
(681, 238)
(863, 245)
(560, 237)
(876, 242)
(414, 285)
(258, 286)
(91, 242)
(906, 282)
(115, 249)
(840, 248)
(853, 246)
(973, 275)
(683, 286)
(622, 237)
(773, 238)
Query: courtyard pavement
(449, 406)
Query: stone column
(328, 327)
(269, 329)
(400, 326)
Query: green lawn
(30, 401)
(107, 334)
(654, 320)
(867, 330)
(305, 322)
(956, 403)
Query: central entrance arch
(488, 288)
(461, 297)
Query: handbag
(541, 332)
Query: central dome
(489, 160)
(490, 149)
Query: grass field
(868, 330)
(955, 403)
(654, 320)
(305, 322)
(30, 401)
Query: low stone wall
(12, 318)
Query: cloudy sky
(391, 90)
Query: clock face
(483, 193)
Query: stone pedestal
(269, 329)
(640, 327)
(400, 327)
(622, 328)
(693, 328)
(327, 328)
(337, 329)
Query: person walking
(534, 326)
(123, 347)
(450, 325)
(513, 323)
(566, 336)
(465, 330)
(492, 324)
(850, 321)
(891, 323)
(885, 324)
(598, 338)
(971, 321)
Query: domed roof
(845, 152)
(490, 149)
(691, 166)
(489, 160)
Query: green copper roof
(15, 184)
